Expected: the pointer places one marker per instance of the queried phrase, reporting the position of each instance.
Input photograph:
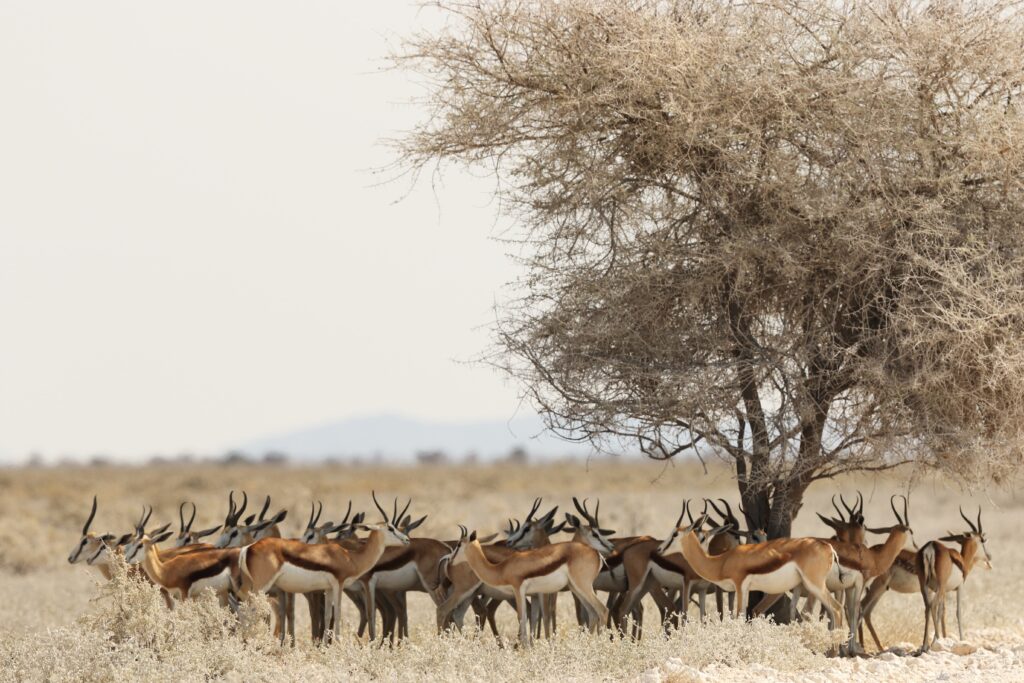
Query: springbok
(548, 569)
(91, 543)
(185, 534)
(186, 574)
(941, 569)
(774, 567)
(296, 567)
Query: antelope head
(135, 541)
(975, 537)
(678, 530)
(230, 534)
(185, 534)
(731, 525)
(89, 543)
(109, 543)
(393, 536)
(592, 534)
(526, 535)
(849, 528)
(902, 524)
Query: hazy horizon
(194, 246)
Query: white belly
(848, 579)
(903, 581)
(497, 592)
(219, 583)
(667, 578)
(294, 579)
(783, 579)
(612, 581)
(403, 578)
(548, 583)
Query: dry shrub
(132, 636)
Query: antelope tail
(244, 569)
(928, 563)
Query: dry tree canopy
(786, 232)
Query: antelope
(91, 544)
(533, 533)
(862, 564)
(640, 561)
(186, 574)
(235, 535)
(941, 569)
(185, 535)
(547, 569)
(253, 529)
(463, 585)
(773, 567)
(412, 567)
(295, 567)
(718, 544)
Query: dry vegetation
(58, 624)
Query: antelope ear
(160, 530)
(487, 539)
(828, 521)
(572, 520)
(206, 532)
(879, 530)
(279, 517)
(472, 536)
(249, 519)
(606, 532)
(107, 538)
(260, 526)
(358, 519)
(124, 540)
(957, 538)
(557, 529)
(409, 527)
(163, 537)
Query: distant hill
(401, 438)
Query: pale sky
(193, 248)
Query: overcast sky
(194, 250)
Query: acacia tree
(785, 232)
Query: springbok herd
(528, 568)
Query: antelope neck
(704, 564)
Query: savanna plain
(61, 622)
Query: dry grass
(58, 624)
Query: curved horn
(838, 511)
(231, 509)
(143, 519)
(969, 522)
(347, 512)
(240, 510)
(728, 511)
(383, 514)
(860, 506)
(92, 515)
(717, 511)
(312, 510)
(192, 519)
(979, 519)
(404, 510)
(533, 510)
(892, 504)
(584, 511)
(181, 517)
(266, 506)
(849, 511)
(319, 511)
(597, 511)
